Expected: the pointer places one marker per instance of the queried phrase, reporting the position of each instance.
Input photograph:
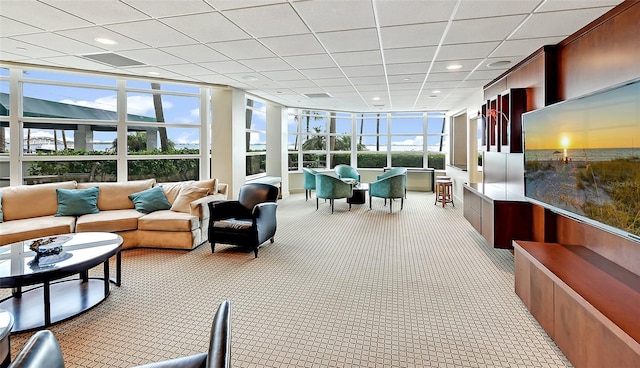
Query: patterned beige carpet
(359, 288)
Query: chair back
(346, 171)
(254, 193)
(329, 187)
(309, 178)
(389, 187)
(392, 171)
(220, 345)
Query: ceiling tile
(406, 78)
(188, 69)
(152, 33)
(243, 49)
(285, 75)
(59, 43)
(576, 4)
(336, 15)
(266, 64)
(345, 41)
(10, 27)
(495, 8)
(304, 44)
(409, 55)
(40, 14)
(223, 67)
(25, 49)
(78, 62)
(321, 73)
(310, 61)
(482, 30)
(253, 21)
(466, 51)
(89, 34)
(207, 27)
(523, 47)
(329, 82)
(99, 12)
(363, 71)
(195, 53)
(152, 57)
(561, 23)
(405, 36)
(160, 9)
(359, 81)
(239, 4)
(400, 12)
(358, 58)
(407, 68)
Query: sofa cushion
(150, 200)
(187, 195)
(168, 221)
(36, 227)
(1, 216)
(172, 190)
(115, 196)
(14, 200)
(76, 202)
(109, 221)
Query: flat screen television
(582, 158)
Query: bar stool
(444, 189)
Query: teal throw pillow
(1, 216)
(77, 202)
(150, 200)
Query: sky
(604, 120)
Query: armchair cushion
(346, 171)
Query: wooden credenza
(498, 215)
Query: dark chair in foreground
(346, 172)
(309, 181)
(43, 350)
(329, 187)
(390, 187)
(247, 222)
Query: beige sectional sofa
(29, 211)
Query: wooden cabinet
(498, 215)
(502, 131)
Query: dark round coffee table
(55, 295)
(359, 194)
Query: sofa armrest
(200, 207)
(192, 361)
(222, 190)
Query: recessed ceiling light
(250, 78)
(454, 66)
(436, 91)
(153, 73)
(499, 63)
(105, 41)
(406, 79)
(376, 98)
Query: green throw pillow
(76, 202)
(150, 200)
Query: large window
(322, 139)
(70, 124)
(256, 137)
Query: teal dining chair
(331, 188)
(309, 181)
(391, 187)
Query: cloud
(136, 104)
(186, 138)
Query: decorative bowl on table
(48, 248)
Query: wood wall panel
(603, 56)
(542, 299)
(522, 267)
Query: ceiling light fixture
(105, 41)
(406, 79)
(154, 73)
(376, 98)
(436, 91)
(498, 64)
(454, 66)
(250, 78)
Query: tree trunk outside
(157, 105)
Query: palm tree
(157, 105)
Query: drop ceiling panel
(557, 24)
(303, 44)
(482, 30)
(223, 67)
(78, 63)
(152, 33)
(333, 82)
(256, 20)
(25, 49)
(152, 57)
(10, 27)
(238, 4)
(285, 75)
(160, 9)
(195, 53)
(323, 73)
(399, 12)
(414, 35)
(99, 12)
(89, 34)
(336, 15)
(409, 54)
(310, 61)
(575, 4)
(345, 41)
(358, 58)
(189, 69)
(59, 43)
(523, 47)
(363, 71)
(207, 27)
(41, 15)
(243, 49)
(266, 64)
(407, 68)
(467, 50)
(492, 8)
